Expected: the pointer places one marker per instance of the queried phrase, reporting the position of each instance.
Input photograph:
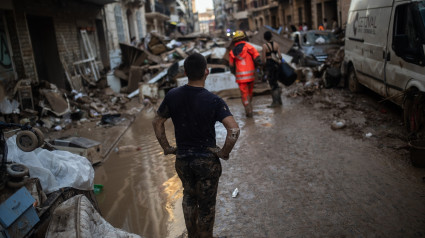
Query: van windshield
(318, 38)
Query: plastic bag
(55, 169)
(287, 74)
(7, 107)
(76, 217)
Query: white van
(385, 51)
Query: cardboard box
(81, 146)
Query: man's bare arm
(231, 138)
(159, 128)
(263, 53)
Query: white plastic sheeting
(76, 217)
(7, 107)
(215, 82)
(55, 169)
(218, 52)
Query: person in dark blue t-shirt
(194, 112)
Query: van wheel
(353, 84)
(414, 112)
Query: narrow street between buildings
(295, 175)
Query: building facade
(313, 12)
(124, 20)
(253, 14)
(42, 39)
(206, 21)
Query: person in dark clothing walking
(272, 56)
(194, 112)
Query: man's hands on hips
(170, 150)
(217, 151)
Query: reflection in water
(142, 193)
(174, 191)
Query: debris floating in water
(235, 193)
(368, 135)
(338, 125)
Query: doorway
(46, 55)
(331, 12)
(319, 14)
(103, 48)
(308, 13)
(131, 27)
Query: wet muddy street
(295, 175)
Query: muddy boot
(248, 110)
(279, 98)
(277, 101)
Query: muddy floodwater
(295, 175)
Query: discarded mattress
(76, 217)
(55, 169)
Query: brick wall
(65, 15)
(344, 6)
(25, 46)
(15, 45)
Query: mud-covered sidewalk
(296, 176)
(299, 178)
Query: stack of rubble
(148, 70)
(158, 61)
(152, 68)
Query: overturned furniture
(80, 146)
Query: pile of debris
(149, 71)
(48, 106)
(152, 68)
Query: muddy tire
(17, 170)
(414, 112)
(353, 84)
(17, 184)
(40, 136)
(27, 141)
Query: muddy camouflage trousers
(199, 176)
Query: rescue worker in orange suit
(243, 59)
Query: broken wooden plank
(181, 53)
(285, 44)
(159, 76)
(160, 66)
(120, 74)
(158, 49)
(136, 74)
(59, 106)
